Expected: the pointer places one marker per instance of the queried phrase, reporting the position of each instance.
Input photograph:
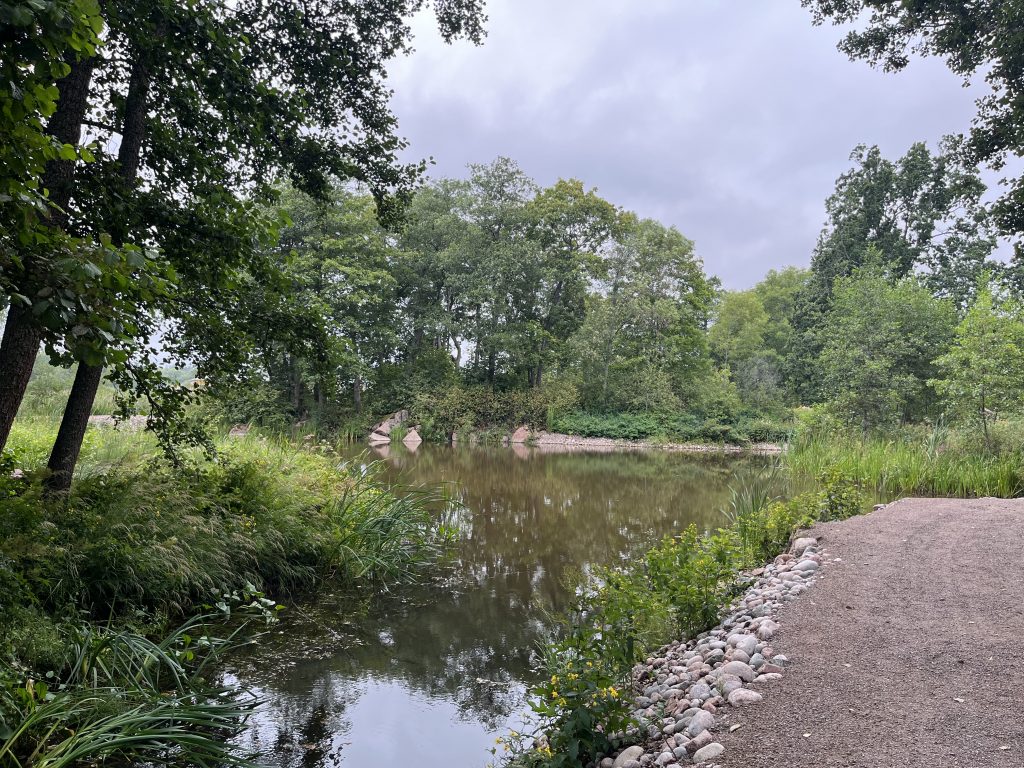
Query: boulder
(412, 437)
(379, 438)
(520, 436)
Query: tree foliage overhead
(982, 37)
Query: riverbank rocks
(691, 689)
(381, 432)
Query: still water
(430, 677)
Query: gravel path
(908, 652)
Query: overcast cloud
(730, 120)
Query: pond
(431, 676)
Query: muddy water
(429, 677)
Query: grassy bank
(917, 460)
(94, 587)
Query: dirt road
(908, 653)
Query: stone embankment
(689, 691)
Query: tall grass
(118, 697)
(899, 467)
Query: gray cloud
(729, 120)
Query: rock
(629, 753)
(756, 661)
(739, 655)
(743, 671)
(607, 763)
(239, 430)
(710, 752)
(714, 656)
(768, 677)
(700, 691)
(744, 642)
(665, 758)
(702, 740)
(801, 544)
(806, 565)
(743, 696)
(767, 630)
(701, 722)
(378, 438)
(520, 436)
(412, 437)
(632, 764)
(384, 427)
(729, 683)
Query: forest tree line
(496, 300)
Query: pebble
(741, 697)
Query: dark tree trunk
(17, 356)
(21, 335)
(357, 394)
(68, 444)
(75, 421)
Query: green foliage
(979, 37)
(880, 340)
(910, 463)
(676, 427)
(697, 572)
(463, 409)
(160, 538)
(116, 695)
(581, 706)
(983, 372)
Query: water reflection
(427, 678)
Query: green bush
(163, 538)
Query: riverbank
(888, 661)
(99, 579)
(689, 690)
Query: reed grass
(900, 467)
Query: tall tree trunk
(68, 444)
(22, 335)
(357, 394)
(17, 356)
(296, 377)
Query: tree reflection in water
(449, 659)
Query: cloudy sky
(730, 120)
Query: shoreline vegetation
(119, 599)
(121, 567)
